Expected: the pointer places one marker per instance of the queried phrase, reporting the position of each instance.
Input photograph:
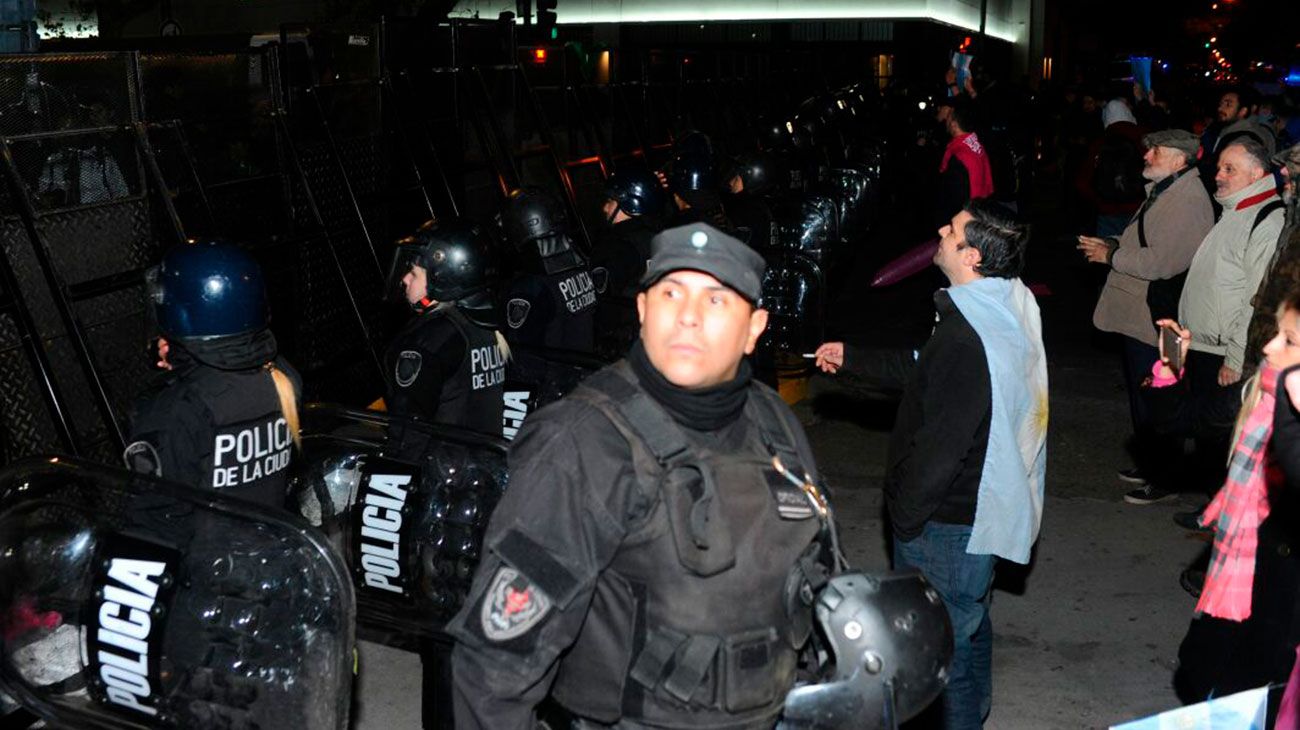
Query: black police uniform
(588, 552)
(444, 368)
(219, 428)
(555, 311)
(648, 560)
(752, 218)
(618, 263)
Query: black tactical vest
(571, 298)
(473, 397)
(235, 439)
(697, 620)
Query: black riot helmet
(891, 641)
(455, 255)
(536, 228)
(760, 172)
(208, 290)
(530, 213)
(693, 143)
(775, 134)
(636, 191)
(691, 173)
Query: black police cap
(701, 247)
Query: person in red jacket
(964, 172)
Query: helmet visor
(405, 256)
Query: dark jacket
(216, 428)
(443, 368)
(936, 453)
(578, 516)
(1282, 277)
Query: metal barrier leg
(59, 292)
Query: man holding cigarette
(964, 478)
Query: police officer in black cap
(550, 301)
(634, 204)
(447, 365)
(226, 417)
(654, 561)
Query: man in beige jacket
(1156, 246)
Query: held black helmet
(636, 191)
(530, 213)
(455, 255)
(207, 290)
(891, 640)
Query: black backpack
(1117, 175)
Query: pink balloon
(909, 264)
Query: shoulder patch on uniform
(600, 277)
(142, 458)
(512, 605)
(516, 312)
(408, 367)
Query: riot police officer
(551, 299)
(656, 555)
(693, 182)
(447, 365)
(754, 177)
(634, 202)
(226, 416)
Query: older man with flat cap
(1148, 263)
(652, 563)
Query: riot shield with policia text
(130, 602)
(406, 502)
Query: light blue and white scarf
(1010, 508)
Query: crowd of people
(588, 557)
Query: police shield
(794, 295)
(891, 643)
(811, 227)
(406, 503)
(129, 602)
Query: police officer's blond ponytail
(288, 400)
(502, 345)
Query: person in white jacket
(1216, 299)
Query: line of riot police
(504, 319)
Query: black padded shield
(195, 610)
(407, 503)
(794, 296)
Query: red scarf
(971, 154)
(1238, 510)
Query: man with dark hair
(964, 477)
(1234, 123)
(965, 173)
(645, 566)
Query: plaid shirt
(1237, 512)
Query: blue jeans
(965, 583)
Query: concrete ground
(1088, 634)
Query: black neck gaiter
(706, 409)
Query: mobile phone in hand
(1172, 345)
